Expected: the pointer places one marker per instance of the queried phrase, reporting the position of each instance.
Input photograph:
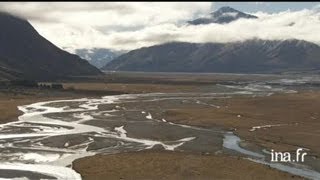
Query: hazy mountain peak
(225, 9)
(98, 57)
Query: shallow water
(50, 135)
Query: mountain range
(24, 53)
(251, 56)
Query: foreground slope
(24, 53)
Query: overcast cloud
(130, 25)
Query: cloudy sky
(130, 25)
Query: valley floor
(294, 120)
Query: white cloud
(132, 25)
(86, 25)
(106, 13)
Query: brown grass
(172, 165)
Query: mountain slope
(222, 16)
(24, 53)
(250, 56)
